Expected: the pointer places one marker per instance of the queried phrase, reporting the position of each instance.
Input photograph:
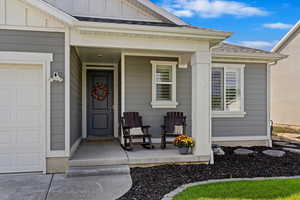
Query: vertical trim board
(269, 105)
(2, 12)
(67, 92)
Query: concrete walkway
(57, 187)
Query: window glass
(217, 89)
(163, 73)
(226, 89)
(164, 92)
(233, 101)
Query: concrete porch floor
(111, 153)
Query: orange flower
(184, 141)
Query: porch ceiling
(113, 55)
(99, 55)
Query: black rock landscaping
(153, 183)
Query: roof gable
(287, 37)
(32, 13)
(139, 10)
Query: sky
(254, 23)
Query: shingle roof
(146, 23)
(119, 21)
(232, 49)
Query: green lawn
(278, 129)
(278, 189)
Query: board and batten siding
(138, 88)
(113, 9)
(44, 42)
(75, 97)
(255, 121)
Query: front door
(100, 103)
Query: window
(228, 90)
(163, 84)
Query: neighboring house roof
(225, 50)
(287, 37)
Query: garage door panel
(29, 136)
(29, 96)
(29, 76)
(6, 73)
(28, 159)
(7, 137)
(21, 114)
(5, 116)
(6, 162)
(6, 96)
(28, 118)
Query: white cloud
(212, 8)
(258, 44)
(278, 25)
(182, 13)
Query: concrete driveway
(57, 187)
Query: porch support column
(201, 111)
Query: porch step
(98, 170)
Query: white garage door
(21, 118)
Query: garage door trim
(43, 59)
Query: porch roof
(151, 26)
(226, 50)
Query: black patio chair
(171, 120)
(133, 129)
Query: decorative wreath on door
(97, 94)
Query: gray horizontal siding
(138, 88)
(44, 42)
(75, 97)
(255, 122)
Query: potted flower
(184, 143)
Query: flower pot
(183, 150)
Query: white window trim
(163, 104)
(232, 114)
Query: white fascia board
(286, 37)
(162, 12)
(51, 10)
(152, 30)
(246, 57)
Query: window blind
(217, 89)
(163, 83)
(232, 79)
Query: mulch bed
(154, 182)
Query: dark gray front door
(99, 105)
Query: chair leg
(163, 142)
(150, 143)
(147, 144)
(126, 145)
(130, 144)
